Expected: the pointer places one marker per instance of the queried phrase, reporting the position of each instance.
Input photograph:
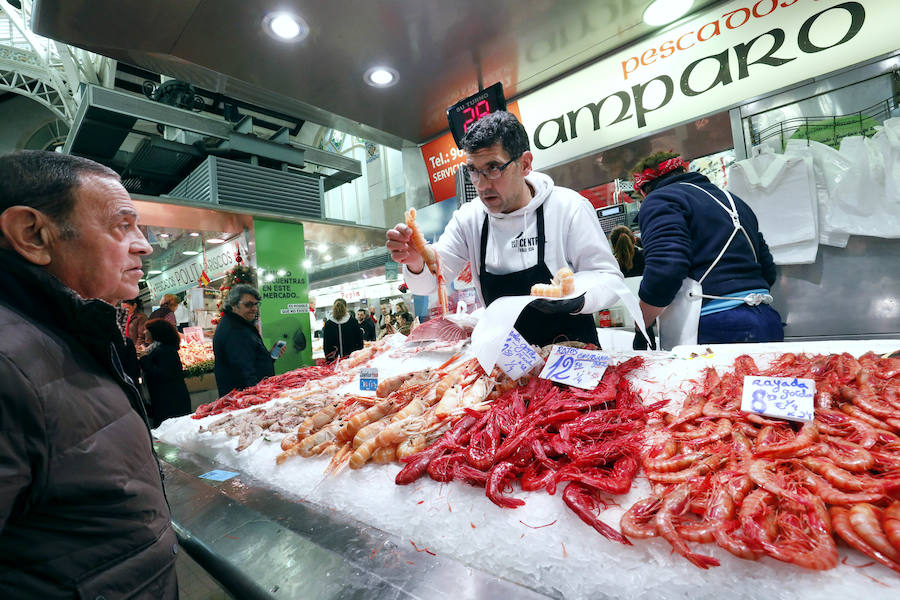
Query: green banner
(283, 283)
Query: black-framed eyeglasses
(491, 173)
(250, 304)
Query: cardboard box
(207, 381)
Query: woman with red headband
(708, 270)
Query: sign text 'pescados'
(764, 51)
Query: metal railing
(829, 130)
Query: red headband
(666, 166)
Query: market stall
(311, 522)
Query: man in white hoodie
(519, 231)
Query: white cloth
(829, 169)
(781, 191)
(573, 238)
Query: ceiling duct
(254, 189)
(121, 130)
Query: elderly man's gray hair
(237, 292)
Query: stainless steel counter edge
(261, 544)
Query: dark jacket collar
(32, 291)
(239, 321)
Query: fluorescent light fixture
(661, 12)
(190, 253)
(322, 247)
(154, 272)
(215, 241)
(194, 234)
(381, 76)
(327, 257)
(162, 235)
(351, 250)
(285, 27)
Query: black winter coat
(82, 508)
(340, 339)
(242, 360)
(164, 375)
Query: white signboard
(716, 60)
(517, 357)
(780, 397)
(575, 366)
(296, 309)
(185, 275)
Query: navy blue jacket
(682, 232)
(242, 360)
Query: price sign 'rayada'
(780, 397)
(576, 367)
(368, 380)
(517, 357)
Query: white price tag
(576, 367)
(368, 380)
(781, 397)
(517, 357)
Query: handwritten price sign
(368, 380)
(517, 357)
(576, 367)
(780, 397)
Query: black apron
(536, 327)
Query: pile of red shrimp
(757, 486)
(544, 434)
(263, 391)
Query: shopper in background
(182, 315)
(136, 321)
(166, 309)
(708, 270)
(341, 334)
(404, 323)
(242, 359)
(521, 230)
(163, 372)
(366, 325)
(627, 253)
(385, 327)
(82, 509)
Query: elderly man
(242, 359)
(82, 508)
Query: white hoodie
(572, 232)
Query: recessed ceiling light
(285, 27)
(162, 235)
(661, 12)
(307, 263)
(154, 272)
(194, 234)
(215, 241)
(351, 250)
(381, 76)
(327, 257)
(322, 247)
(190, 253)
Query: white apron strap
(736, 222)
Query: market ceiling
(440, 51)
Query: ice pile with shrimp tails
(409, 412)
(263, 391)
(764, 487)
(544, 434)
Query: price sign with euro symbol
(575, 366)
(780, 397)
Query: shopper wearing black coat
(163, 372)
(341, 333)
(242, 360)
